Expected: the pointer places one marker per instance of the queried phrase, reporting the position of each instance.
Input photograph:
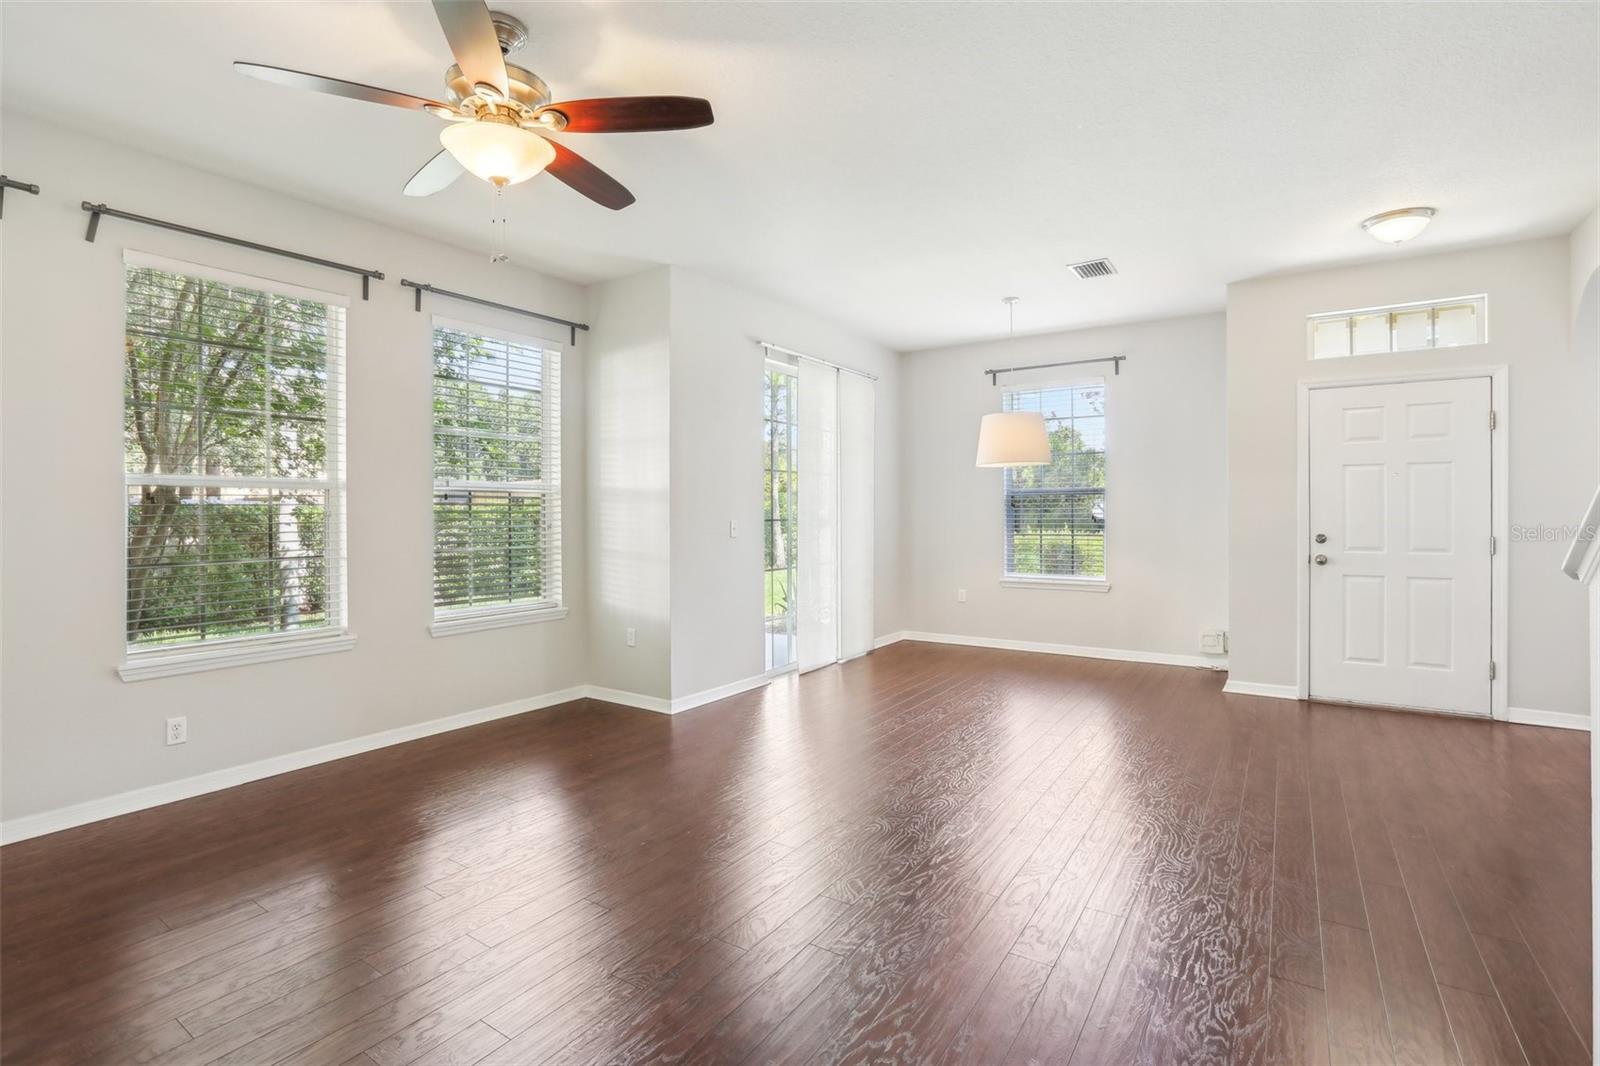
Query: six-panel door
(1400, 581)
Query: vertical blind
(1055, 519)
(496, 472)
(817, 573)
(857, 531)
(233, 440)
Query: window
(496, 479)
(778, 447)
(1055, 513)
(234, 457)
(1399, 328)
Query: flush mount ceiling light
(1393, 227)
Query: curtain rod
(802, 355)
(96, 210)
(422, 287)
(1114, 360)
(12, 183)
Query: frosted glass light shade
(499, 153)
(1393, 227)
(1013, 438)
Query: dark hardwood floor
(935, 854)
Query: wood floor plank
(1358, 1024)
(930, 853)
(1546, 1033)
(1417, 1021)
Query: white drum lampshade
(1013, 438)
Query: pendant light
(1013, 438)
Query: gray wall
(1552, 445)
(717, 370)
(629, 368)
(1166, 497)
(71, 729)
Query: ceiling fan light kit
(498, 111)
(497, 150)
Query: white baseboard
(33, 825)
(1553, 719)
(1161, 658)
(888, 639)
(1256, 688)
(658, 704)
(721, 692)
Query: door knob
(1321, 560)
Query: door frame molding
(1499, 512)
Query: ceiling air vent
(1094, 268)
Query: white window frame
(140, 664)
(452, 621)
(1067, 582)
(1479, 300)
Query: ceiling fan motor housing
(527, 88)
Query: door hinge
(1491, 545)
(1491, 421)
(1491, 670)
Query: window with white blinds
(496, 478)
(233, 430)
(1055, 513)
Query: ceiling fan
(497, 111)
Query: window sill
(145, 666)
(1074, 584)
(450, 625)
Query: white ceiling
(900, 167)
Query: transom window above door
(1055, 513)
(1409, 327)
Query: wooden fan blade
(470, 31)
(436, 174)
(580, 174)
(351, 90)
(632, 114)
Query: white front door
(1400, 545)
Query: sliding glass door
(779, 445)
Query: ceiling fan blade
(353, 90)
(633, 114)
(436, 174)
(580, 174)
(473, 41)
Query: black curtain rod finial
(12, 183)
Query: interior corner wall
(629, 360)
(1166, 534)
(717, 368)
(1551, 423)
(71, 730)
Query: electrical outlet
(633, 637)
(961, 595)
(1214, 641)
(177, 730)
(733, 527)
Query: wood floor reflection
(934, 854)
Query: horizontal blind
(233, 440)
(496, 472)
(1055, 513)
